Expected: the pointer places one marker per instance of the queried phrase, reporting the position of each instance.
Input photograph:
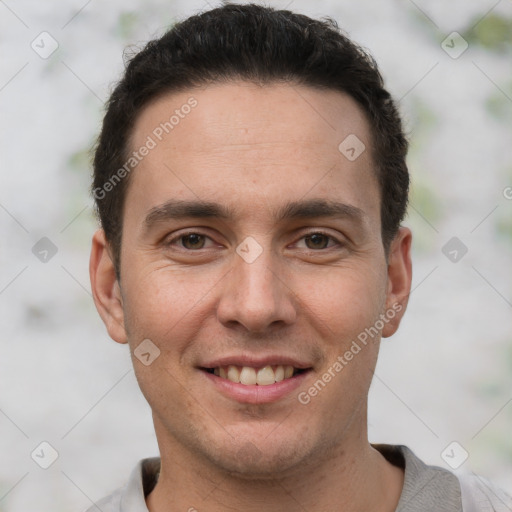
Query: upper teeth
(251, 376)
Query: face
(252, 260)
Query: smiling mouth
(250, 376)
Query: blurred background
(443, 385)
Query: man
(250, 179)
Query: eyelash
(184, 235)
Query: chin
(251, 463)
(262, 458)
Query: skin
(255, 148)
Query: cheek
(341, 302)
(344, 311)
(163, 304)
(169, 305)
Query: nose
(255, 294)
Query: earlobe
(105, 288)
(399, 280)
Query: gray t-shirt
(426, 488)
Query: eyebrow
(307, 209)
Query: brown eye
(192, 241)
(318, 241)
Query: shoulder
(427, 487)
(481, 495)
(131, 497)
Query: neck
(353, 477)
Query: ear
(399, 280)
(105, 288)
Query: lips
(255, 371)
(250, 376)
(256, 383)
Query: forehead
(229, 112)
(235, 142)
